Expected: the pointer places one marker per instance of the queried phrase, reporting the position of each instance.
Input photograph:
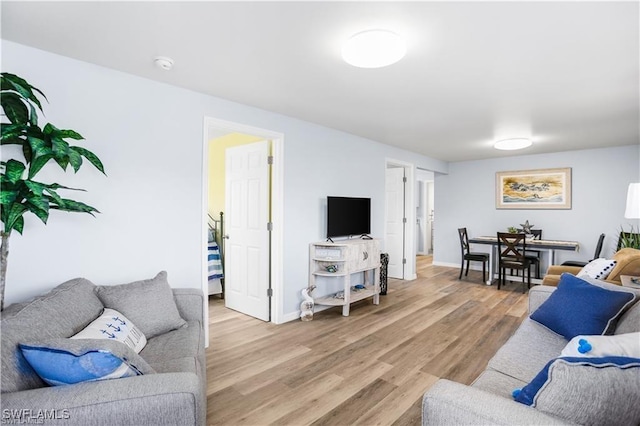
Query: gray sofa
(175, 394)
(489, 399)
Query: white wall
(466, 197)
(149, 136)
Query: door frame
(219, 126)
(410, 212)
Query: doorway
(215, 128)
(425, 212)
(400, 213)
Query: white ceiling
(565, 74)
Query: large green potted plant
(19, 192)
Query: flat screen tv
(348, 216)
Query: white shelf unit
(348, 257)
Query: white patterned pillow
(113, 325)
(598, 269)
(626, 345)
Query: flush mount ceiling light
(512, 144)
(163, 62)
(374, 49)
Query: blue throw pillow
(68, 361)
(578, 307)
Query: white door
(246, 219)
(395, 221)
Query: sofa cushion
(625, 345)
(597, 268)
(176, 344)
(63, 361)
(587, 390)
(148, 303)
(579, 307)
(111, 324)
(177, 365)
(62, 312)
(527, 351)
(497, 383)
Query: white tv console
(341, 259)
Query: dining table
(550, 246)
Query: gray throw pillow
(148, 303)
(588, 391)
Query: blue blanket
(214, 263)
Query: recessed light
(163, 62)
(512, 144)
(374, 49)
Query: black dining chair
(470, 256)
(595, 255)
(535, 256)
(511, 249)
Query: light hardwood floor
(370, 368)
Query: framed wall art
(534, 189)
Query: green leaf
(33, 117)
(10, 132)
(14, 140)
(63, 162)
(15, 110)
(39, 206)
(28, 153)
(38, 163)
(14, 170)
(49, 129)
(93, 159)
(75, 206)
(60, 148)
(7, 197)
(20, 85)
(75, 160)
(35, 187)
(71, 134)
(15, 212)
(58, 186)
(18, 225)
(39, 146)
(54, 197)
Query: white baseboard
(472, 267)
(291, 316)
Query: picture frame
(534, 189)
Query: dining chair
(595, 255)
(535, 256)
(470, 256)
(511, 249)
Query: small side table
(628, 281)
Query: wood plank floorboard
(370, 368)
